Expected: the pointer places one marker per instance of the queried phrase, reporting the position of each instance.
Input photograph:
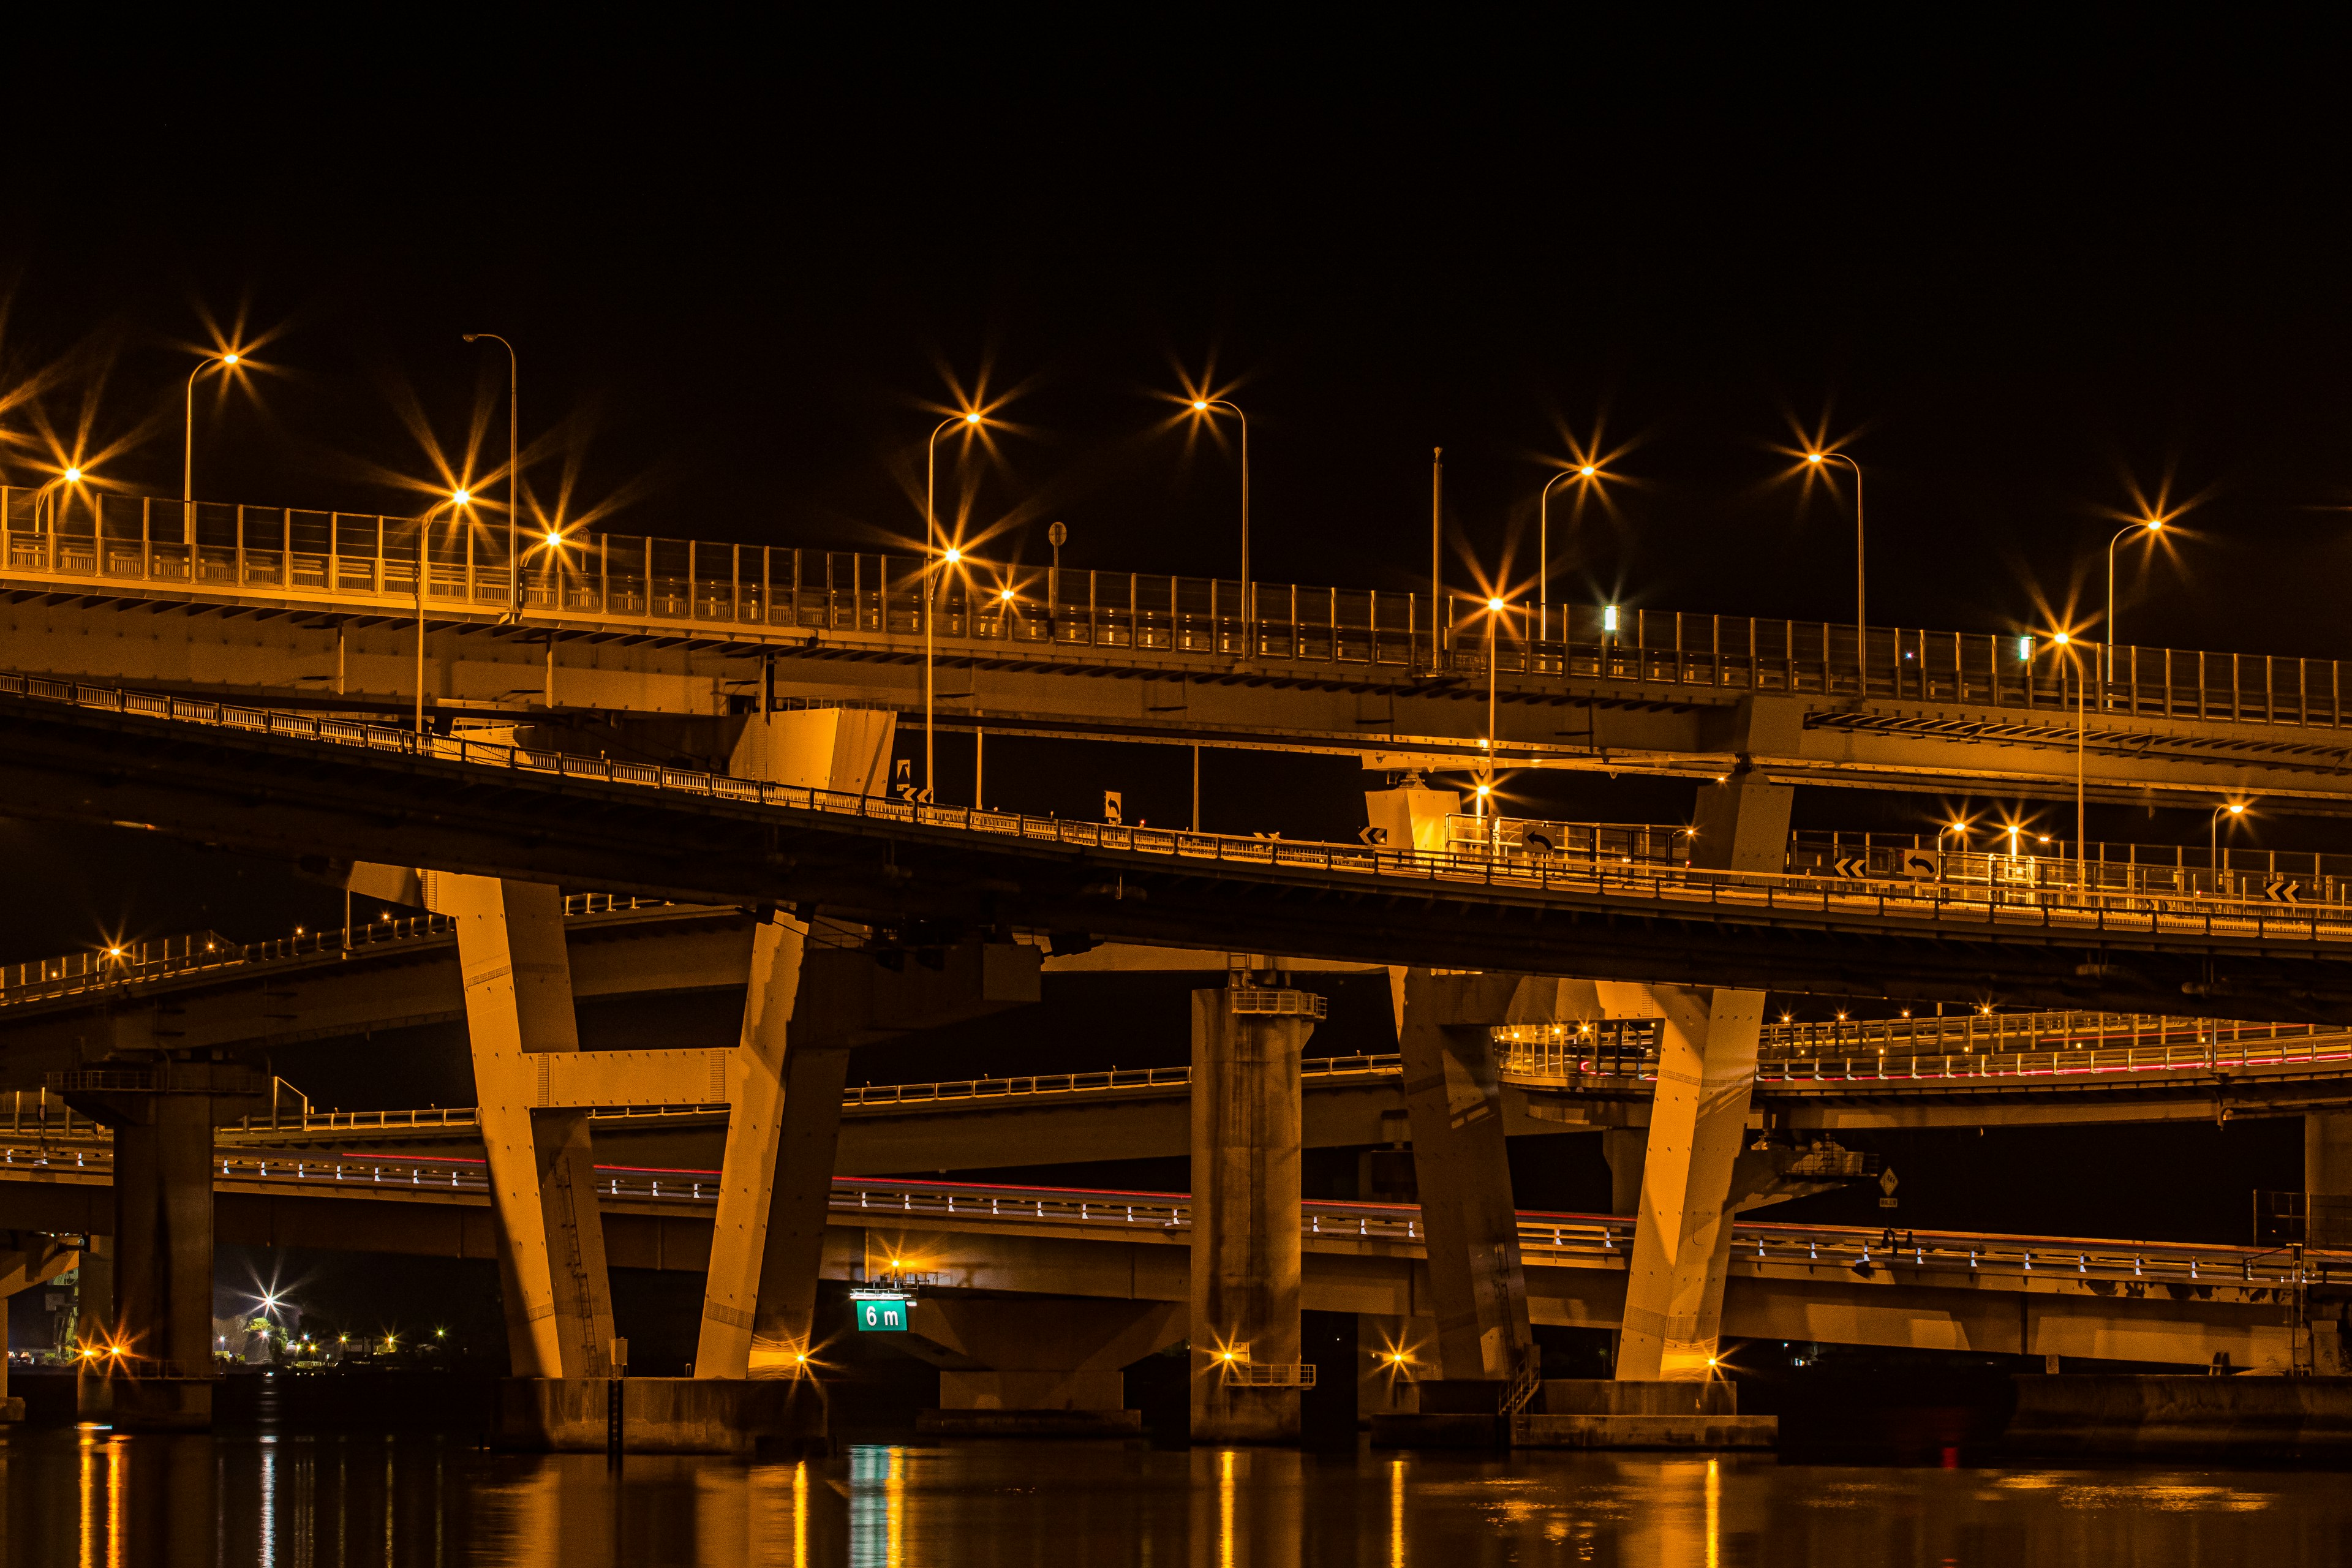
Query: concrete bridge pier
(1035, 1366)
(1246, 1133)
(517, 979)
(1454, 1097)
(2328, 1222)
(158, 1367)
(1698, 1117)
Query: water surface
(88, 1497)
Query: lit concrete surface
(2116, 1299)
(296, 797)
(2264, 725)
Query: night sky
(2034, 285)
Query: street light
(228, 361)
(1861, 620)
(2233, 810)
(932, 543)
(1202, 406)
(948, 557)
(1543, 540)
(2148, 528)
(2062, 640)
(457, 498)
(514, 469)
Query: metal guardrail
(1905, 906)
(317, 558)
(1562, 1063)
(1276, 1002)
(103, 967)
(1546, 1239)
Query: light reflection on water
(86, 1496)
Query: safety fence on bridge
(1961, 909)
(918, 1212)
(2064, 1049)
(125, 963)
(76, 536)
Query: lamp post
(1861, 619)
(1437, 497)
(423, 532)
(1249, 619)
(1495, 608)
(2082, 694)
(514, 471)
(947, 558)
(2150, 528)
(930, 546)
(2233, 810)
(228, 361)
(1543, 543)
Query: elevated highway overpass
(287, 606)
(2114, 1299)
(298, 786)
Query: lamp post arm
(1543, 550)
(1248, 617)
(1860, 615)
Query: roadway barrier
(1903, 905)
(1545, 1238)
(76, 536)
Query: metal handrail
(2073, 911)
(1545, 1238)
(319, 558)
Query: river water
(88, 1497)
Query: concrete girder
(1618, 722)
(274, 795)
(1036, 1352)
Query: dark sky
(2022, 281)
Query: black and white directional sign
(2282, 889)
(1853, 866)
(1922, 865)
(1374, 836)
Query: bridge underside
(302, 800)
(2046, 1314)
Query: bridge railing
(128, 964)
(1546, 1239)
(2074, 912)
(76, 536)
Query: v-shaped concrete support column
(517, 979)
(1476, 1282)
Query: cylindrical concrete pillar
(1246, 1133)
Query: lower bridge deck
(2179, 1302)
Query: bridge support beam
(1246, 1135)
(806, 1010)
(1698, 1117)
(1476, 1283)
(517, 979)
(162, 1117)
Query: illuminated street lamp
(228, 361)
(1861, 620)
(457, 498)
(2148, 528)
(1202, 406)
(2233, 810)
(2058, 641)
(1586, 471)
(514, 471)
(948, 558)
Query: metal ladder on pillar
(1525, 1383)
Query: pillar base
(1247, 1415)
(658, 1415)
(2267, 1419)
(1029, 1423)
(148, 1403)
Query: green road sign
(882, 1314)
